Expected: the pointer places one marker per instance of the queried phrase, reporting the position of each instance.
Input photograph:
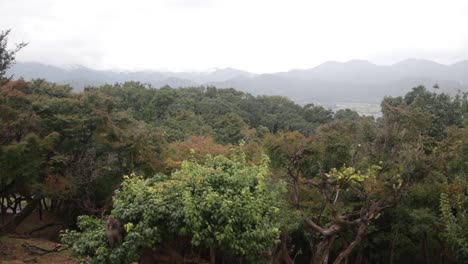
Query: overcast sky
(254, 35)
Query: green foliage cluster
(421, 151)
(455, 218)
(222, 203)
(74, 148)
(221, 113)
(321, 198)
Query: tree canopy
(204, 174)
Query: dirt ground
(23, 247)
(12, 250)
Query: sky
(259, 36)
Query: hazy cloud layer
(258, 36)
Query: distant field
(368, 109)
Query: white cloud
(255, 35)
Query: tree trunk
(359, 237)
(285, 252)
(18, 218)
(15, 205)
(40, 210)
(323, 250)
(212, 256)
(3, 210)
(45, 204)
(425, 249)
(10, 205)
(392, 248)
(359, 257)
(58, 204)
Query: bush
(222, 203)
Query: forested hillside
(337, 184)
(201, 174)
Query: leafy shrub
(223, 203)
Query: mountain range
(355, 81)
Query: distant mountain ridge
(352, 81)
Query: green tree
(7, 56)
(223, 205)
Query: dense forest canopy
(204, 174)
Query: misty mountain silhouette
(352, 81)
